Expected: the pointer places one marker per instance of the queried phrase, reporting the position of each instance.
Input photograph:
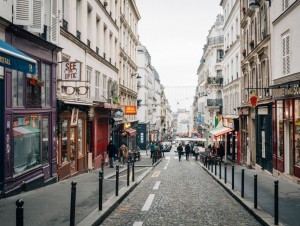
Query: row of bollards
(20, 202)
(212, 163)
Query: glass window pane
(45, 141)
(297, 133)
(20, 88)
(43, 91)
(80, 136)
(26, 142)
(47, 85)
(64, 141)
(280, 134)
(15, 87)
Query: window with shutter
(54, 21)
(286, 54)
(38, 17)
(23, 12)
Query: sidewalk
(289, 194)
(50, 205)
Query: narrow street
(179, 193)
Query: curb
(98, 216)
(259, 214)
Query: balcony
(97, 50)
(88, 43)
(215, 80)
(214, 102)
(78, 35)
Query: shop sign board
(71, 71)
(130, 110)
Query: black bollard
(243, 183)
(255, 191)
(73, 202)
(100, 189)
(225, 173)
(212, 165)
(276, 202)
(220, 170)
(102, 163)
(117, 180)
(205, 161)
(128, 172)
(232, 177)
(133, 171)
(19, 212)
(215, 166)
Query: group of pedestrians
(187, 150)
(122, 154)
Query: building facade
(285, 86)
(28, 95)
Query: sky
(174, 32)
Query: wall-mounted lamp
(254, 4)
(136, 74)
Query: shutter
(283, 57)
(23, 12)
(54, 21)
(38, 16)
(287, 50)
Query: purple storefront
(28, 114)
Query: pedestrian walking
(111, 151)
(123, 154)
(187, 151)
(179, 150)
(221, 152)
(152, 147)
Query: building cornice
(114, 22)
(87, 49)
(124, 55)
(127, 91)
(286, 12)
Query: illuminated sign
(70, 71)
(130, 110)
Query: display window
(280, 129)
(30, 142)
(297, 133)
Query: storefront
(286, 151)
(245, 133)
(73, 139)
(28, 107)
(128, 134)
(143, 135)
(232, 138)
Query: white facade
(231, 61)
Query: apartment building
(231, 74)
(28, 72)
(256, 122)
(285, 31)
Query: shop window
(17, 88)
(1, 72)
(26, 142)
(280, 133)
(80, 136)
(45, 141)
(45, 89)
(297, 133)
(64, 141)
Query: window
(285, 4)
(45, 89)
(88, 82)
(26, 142)
(64, 141)
(280, 131)
(97, 85)
(297, 133)
(105, 87)
(286, 54)
(17, 88)
(79, 136)
(45, 141)
(78, 15)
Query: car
(166, 146)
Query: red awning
(131, 132)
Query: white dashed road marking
(156, 185)
(138, 224)
(148, 202)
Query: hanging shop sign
(130, 110)
(71, 71)
(253, 100)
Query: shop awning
(220, 131)
(12, 58)
(131, 132)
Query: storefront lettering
(282, 92)
(71, 71)
(4, 60)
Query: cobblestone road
(186, 195)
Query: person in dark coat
(111, 151)
(187, 151)
(179, 150)
(221, 152)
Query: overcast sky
(174, 33)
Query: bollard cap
(74, 183)
(19, 203)
(276, 182)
